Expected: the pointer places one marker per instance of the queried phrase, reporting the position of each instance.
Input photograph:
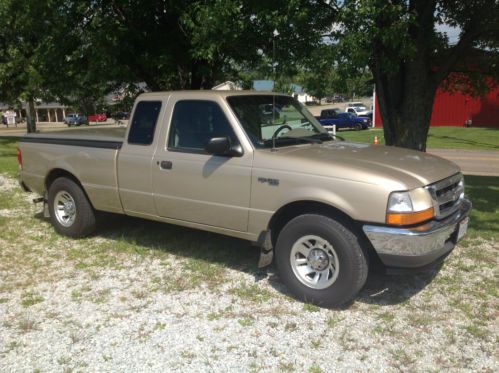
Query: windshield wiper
(323, 136)
(286, 140)
(310, 139)
(328, 137)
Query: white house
(227, 86)
(303, 97)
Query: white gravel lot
(62, 310)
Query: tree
(410, 58)
(22, 35)
(77, 51)
(359, 84)
(179, 44)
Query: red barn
(454, 109)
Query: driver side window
(194, 123)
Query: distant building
(44, 111)
(227, 86)
(459, 109)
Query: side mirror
(222, 146)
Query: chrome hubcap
(64, 208)
(318, 259)
(314, 262)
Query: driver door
(192, 185)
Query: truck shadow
(380, 289)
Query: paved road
(472, 162)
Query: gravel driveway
(142, 296)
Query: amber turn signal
(409, 218)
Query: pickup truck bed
(89, 154)
(89, 133)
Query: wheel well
(59, 172)
(294, 209)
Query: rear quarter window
(144, 122)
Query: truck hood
(395, 167)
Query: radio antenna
(274, 35)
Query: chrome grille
(447, 195)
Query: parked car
(75, 120)
(270, 112)
(357, 108)
(326, 209)
(330, 117)
(97, 118)
(121, 115)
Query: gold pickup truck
(258, 167)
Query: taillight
(20, 158)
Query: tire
(347, 264)
(71, 213)
(357, 127)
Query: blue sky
(452, 32)
(267, 85)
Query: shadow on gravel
(384, 290)
(380, 289)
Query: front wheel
(71, 213)
(320, 260)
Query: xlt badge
(272, 182)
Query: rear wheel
(71, 213)
(320, 260)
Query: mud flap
(266, 250)
(46, 211)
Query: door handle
(165, 165)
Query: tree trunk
(201, 75)
(30, 116)
(406, 113)
(406, 92)
(405, 100)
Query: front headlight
(399, 202)
(409, 207)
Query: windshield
(266, 118)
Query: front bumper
(419, 246)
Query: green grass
(252, 293)
(484, 193)
(8, 156)
(29, 299)
(440, 137)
